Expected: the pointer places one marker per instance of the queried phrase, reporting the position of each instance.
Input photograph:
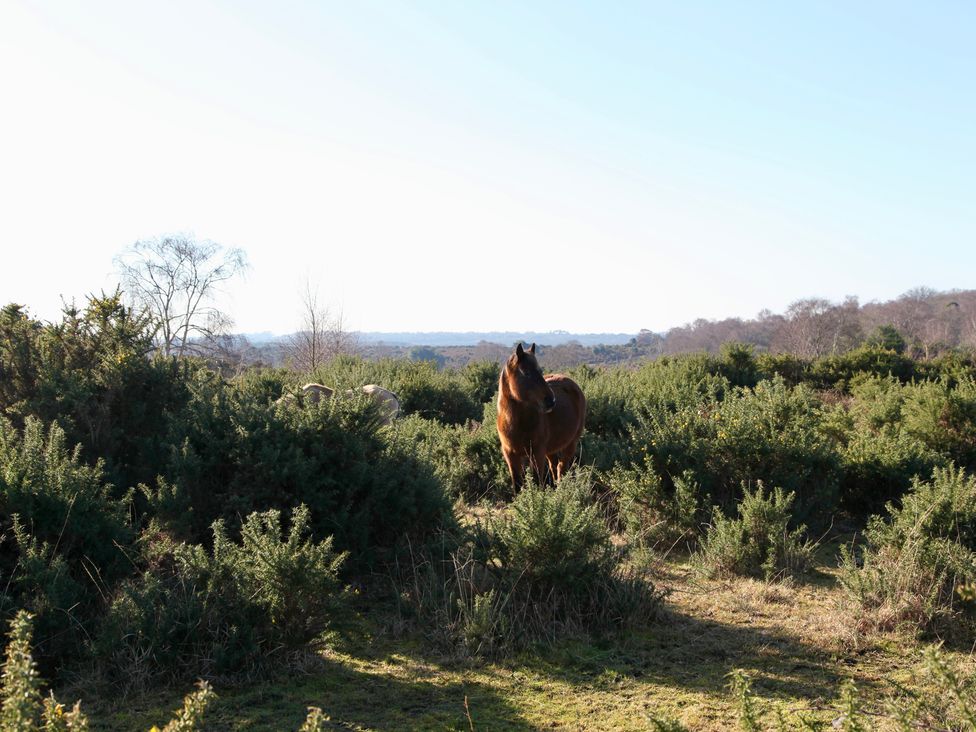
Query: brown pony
(540, 419)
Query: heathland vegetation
(165, 519)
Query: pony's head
(526, 381)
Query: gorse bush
(91, 374)
(556, 569)
(942, 416)
(467, 460)
(234, 455)
(238, 606)
(543, 569)
(771, 433)
(758, 542)
(652, 514)
(62, 533)
(554, 538)
(446, 396)
(23, 708)
(912, 564)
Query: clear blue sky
(494, 166)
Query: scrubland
(749, 539)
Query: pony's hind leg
(564, 461)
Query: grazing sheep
(386, 400)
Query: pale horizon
(437, 167)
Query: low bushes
(233, 608)
(467, 460)
(234, 455)
(758, 542)
(543, 569)
(771, 433)
(909, 572)
(62, 531)
(652, 514)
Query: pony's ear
(518, 351)
(532, 349)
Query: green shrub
(556, 569)
(62, 534)
(771, 433)
(480, 380)
(91, 373)
(233, 608)
(836, 372)
(423, 389)
(792, 369)
(23, 709)
(554, 538)
(943, 417)
(542, 570)
(738, 364)
(467, 460)
(758, 542)
(235, 454)
(878, 468)
(651, 513)
(912, 565)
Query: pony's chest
(518, 422)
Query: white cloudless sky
(495, 166)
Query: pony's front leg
(516, 467)
(540, 467)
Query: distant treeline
(922, 322)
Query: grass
(788, 637)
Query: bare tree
(175, 278)
(815, 327)
(322, 335)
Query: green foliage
(942, 416)
(556, 569)
(237, 454)
(554, 538)
(188, 718)
(738, 364)
(90, 372)
(651, 514)
(741, 687)
(791, 368)
(913, 564)
(423, 389)
(467, 460)
(315, 721)
(758, 542)
(235, 607)
(22, 707)
(771, 433)
(887, 337)
(21, 685)
(63, 531)
(480, 380)
(837, 371)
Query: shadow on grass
(379, 688)
(692, 654)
